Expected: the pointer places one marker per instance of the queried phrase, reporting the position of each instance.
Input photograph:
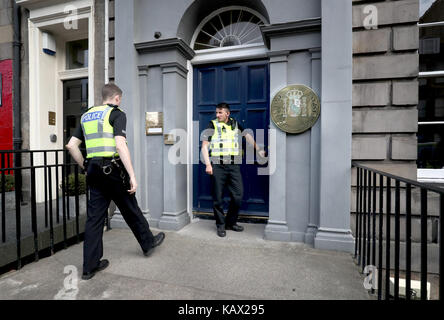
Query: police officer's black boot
(221, 231)
(158, 239)
(235, 227)
(102, 265)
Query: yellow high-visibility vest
(98, 132)
(224, 141)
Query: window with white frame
(77, 54)
(431, 94)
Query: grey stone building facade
(365, 78)
(385, 87)
(370, 96)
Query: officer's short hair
(223, 105)
(110, 90)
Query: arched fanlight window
(232, 27)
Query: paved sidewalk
(194, 263)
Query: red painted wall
(6, 121)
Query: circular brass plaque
(295, 108)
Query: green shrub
(71, 184)
(9, 183)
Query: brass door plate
(154, 123)
(168, 139)
(51, 118)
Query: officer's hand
(133, 184)
(209, 169)
(262, 153)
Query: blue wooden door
(245, 87)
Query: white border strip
(431, 74)
(431, 122)
(431, 175)
(431, 24)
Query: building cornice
(279, 29)
(35, 4)
(61, 15)
(166, 44)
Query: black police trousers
(226, 175)
(102, 189)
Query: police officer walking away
(110, 176)
(223, 138)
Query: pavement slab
(193, 264)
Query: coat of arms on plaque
(295, 108)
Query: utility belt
(108, 165)
(226, 159)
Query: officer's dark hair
(223, 105)
(110, 90)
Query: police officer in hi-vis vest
(110, 176)
(223, 137)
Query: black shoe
(221, 231)
(158, 239)
(102, 265)
(235, 227)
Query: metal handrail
(405, 180)
(366, 245)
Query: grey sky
(424, 5)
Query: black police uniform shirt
(209, 131)
(117, 120)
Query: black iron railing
(374, 193)
(43, 188)
(6, 161)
